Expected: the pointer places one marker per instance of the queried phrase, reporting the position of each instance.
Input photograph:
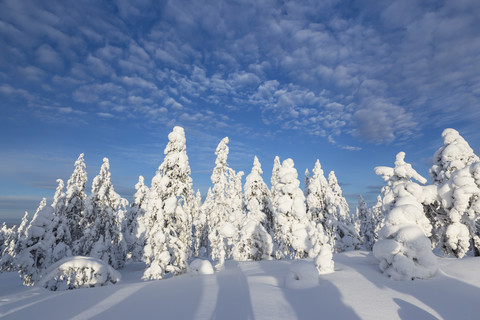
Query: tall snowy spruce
(75, 200)
(346, 237)
(255, 242)
(293, 230)
(226, 211)
(103, 238)
(367, 224)
(134, 229)
(403, 247)
(168, 219)
(200, 236)
(456, 173)
(274, 179)
(316, 193)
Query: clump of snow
(199, 266)
(227, 230)
(324, 261)
(302, 275)
(78, 272)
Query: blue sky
(348, 82)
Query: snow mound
(199, 266)
(78, 272)
(302, 275)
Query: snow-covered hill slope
(256, 290)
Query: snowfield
(257, 290)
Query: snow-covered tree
(456, 212)
(134, 230)
(63, 239)
(274, 178)
(226, 212)
(461, 201)
(169, 213)
(15, 243)
(316, 192)
(367, 225)
(36, 253)
(255, 242)
(292, 225)
(7, 242)
(200, 230)
(75, 201)
(455, 154)
(102, 237)
(346, 237)
(403, 248)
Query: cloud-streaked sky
(348, 82)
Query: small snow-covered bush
(199, 266)
(78, 272)
(302, 275)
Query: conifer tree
(367, 225)
(455, 214)
(200, 231)
(63, 239)
(75, 201)
(224, 214)
(255, 241)
(37, 247)
(455, 154)
(169, 212)
(403, 248)
(134, 225)
(346, 237)
(8, 261)
(292, 225)
(102, 237)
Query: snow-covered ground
(256, 290)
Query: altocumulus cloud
(375, 71)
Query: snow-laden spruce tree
(37, 249)
(200, 235)
(134, 230)
(317, 204)
(403, 247)
(456, 212)
(460, 197)
(168, 219)
(455, 154)
(346, 237)
(226, 212)
(292, 224)
(7, 235)
(378, 216)
(368, 224)
(63, 239)
(75, 201)
(15, 242)
(255, 241)
(274, 178)
(102, 237)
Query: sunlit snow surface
(247, 290)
